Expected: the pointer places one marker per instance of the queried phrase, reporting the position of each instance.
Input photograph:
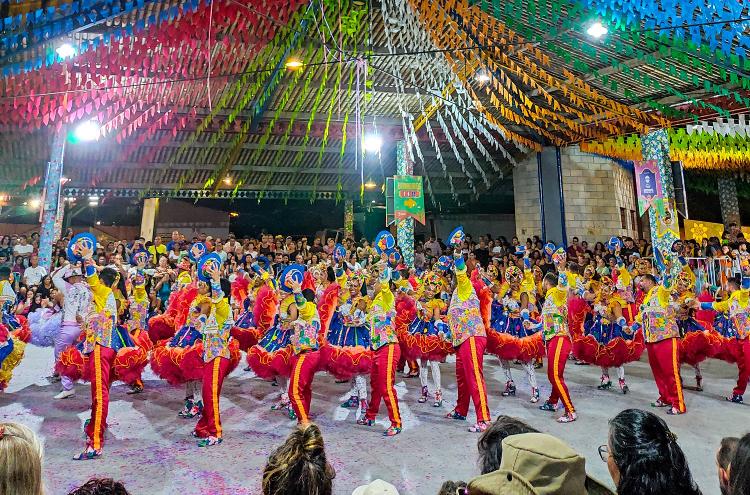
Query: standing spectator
(157, 249)
(739, 468)
(330, 244)
(317, 246)
(482, 254)
(723, 460)
(176, 241)
(299, 466)
(20, 461)
(34, 273)
(644, 458)
(23, 248)
(433, 246)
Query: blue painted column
(405, 227)
(52, 201)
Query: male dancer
(76, 304)
(387, 352)
(469, 340)
(738, 308)
(556, 334)
(306, 356)
(658, 317)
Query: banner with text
(408, 198)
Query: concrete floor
(150, 449)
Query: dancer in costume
(469, 340)
(658, 317)
(554, 326)
(220, 356)
(103, 341)
(12, 346)
(349, 354)
(428, 337)
(514, 300)
(737, 310)
(304, 342)
(77, 299)
(381, 315)
(137, 321)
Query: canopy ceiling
(194, 98)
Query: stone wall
(599, 197)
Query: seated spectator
(644, 458)
(490, 443)
(376, 487)
(100, 486)
(723, 459)
(453, 488)
(20, 461)
(299, 466)
(539, 464)
(739, 468)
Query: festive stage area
(150, 448)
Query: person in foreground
(20, 461)
(643, 456)
(538, 464)
(723, 460)
(100, 486)
(739, 468)
(299, 466)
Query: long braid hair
(299, 466)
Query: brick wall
(595, 189)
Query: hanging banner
(648, 184)
(408, 198)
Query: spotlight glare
(370, 185)
(66, 50)
(228, 181)
(373, 143)
(88, 131)
(35, 204)
(294, 64)
(483, 77)
(597, 30)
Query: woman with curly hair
(644, 458)
(299, 466)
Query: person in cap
(384, 343)
(538, 464)
(77, 300)
(214, 322)
(469, 340)
(376, 487)
(556, 335)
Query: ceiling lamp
(483, 77)
(370, 184)
(66, 50)
(228, 181)
(597, 30)
(373, 143)
(35, 203)
(294, 64)
(88, 131)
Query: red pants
(470, 378)
(213, 378)
(382, 376)
(743, 365)
(663, 356)
(558, 349)
(300, 384)
(102, 360)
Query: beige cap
(377, 487)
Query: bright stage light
(597, 30)
(88, 131)
(294, 64)
(373, 143)
(228, 181)
(66, 50)
(34, 204)
(483, 77)
(370, 185)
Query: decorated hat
(80, 241)
(456, 237)
(550, 248)
(520, 250)
(294, 272)
(71, 271)
(207, 261)
(559, 256)
(197, 250)
(614, 243)
(138, 277)
(356, 279)
(339, 252)
(513, 274)
(434, 280)
(445, 263)
(384, 241)
(140, 256)
(184, 263)
(264, 263)
(394, 257)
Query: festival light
(228, 181)
(483, 77)
(370, 185)
(66, 50)
(373, 143)
(35, 203)
(597, 30)
(88, 131)
(294, 64)
(233, 214)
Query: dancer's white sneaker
(64, 394)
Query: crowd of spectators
(642, 454)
